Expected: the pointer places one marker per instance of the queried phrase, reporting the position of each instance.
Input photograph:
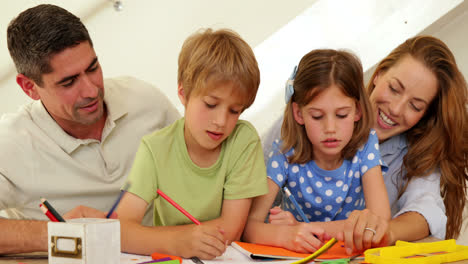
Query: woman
(419, 98)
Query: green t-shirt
(162, 161)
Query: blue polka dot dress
(325, 195)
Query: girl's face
(329, 122)
(401, 96)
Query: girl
(419, 99)
(328, 157)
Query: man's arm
(21, 236)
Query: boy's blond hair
(211, 57)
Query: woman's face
(401, 96)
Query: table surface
(232, 256)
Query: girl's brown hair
(440, 139)
(317, 71)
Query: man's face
(73, 92)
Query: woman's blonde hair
(210, 57)
(440, 139)
(316, 72)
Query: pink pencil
(182, 210)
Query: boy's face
(210, 117)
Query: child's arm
(233, 218)
(298, 237)
(204, 241)
(375, 193)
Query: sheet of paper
(231, 256)
(133, 259)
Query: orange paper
(257, 251)
(160, 256)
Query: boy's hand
(203, 241)
(280, 217)
(304, 237)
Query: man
(75, 144)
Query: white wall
(144, 39)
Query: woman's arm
(422, 196)
(421, 213)
(409, 226)
(204, 241)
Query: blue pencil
(293, 200)
(124, 189)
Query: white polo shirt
(39, 159)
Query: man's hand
(86, 212)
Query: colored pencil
(122, 192)
(293, 200)
(48, 213)
(155, 260)
(182, 210)
(52, 210)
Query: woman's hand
(280, 217)
(363, 230)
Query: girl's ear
(358, 114)
(181, 94)
(297, 113)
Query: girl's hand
(203, 241)
(304, 237)
(280, 217)
(359, 231)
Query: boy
(209, 162)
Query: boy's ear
(181, 94)
(358, 114)
(29, 86)
(297, 114)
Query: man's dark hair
(40, 32)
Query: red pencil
(48, 213)
(182, 210)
